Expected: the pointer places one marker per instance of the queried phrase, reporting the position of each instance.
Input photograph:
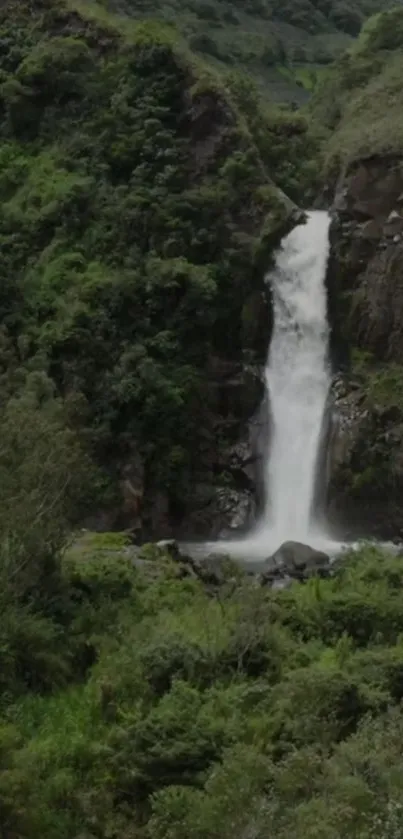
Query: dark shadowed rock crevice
(365, 284)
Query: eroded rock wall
(365, 288)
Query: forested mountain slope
(138, 216)
(284, 46)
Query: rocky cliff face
(365, 277)
(365, 286)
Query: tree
(43, 481)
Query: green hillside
(283, 46)
(361, 102)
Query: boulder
(297, 556)
(296, 561)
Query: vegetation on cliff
(138, 216)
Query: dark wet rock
(364, 493)
(190, 560)
(212, 569)
(365, 283)
(297, 556)
(235, 508)
(219, 511)
(236, 389)
(365, 490)
(294, 560)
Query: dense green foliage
(137, 220)
(284, 46)
(45, 481)
(194, 713)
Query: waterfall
(297, 382)
(297, 377)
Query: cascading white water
(297, 381)
(297, 384)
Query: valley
(201, 327)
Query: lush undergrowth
(148, 706)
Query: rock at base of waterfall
(296, 561)
(292, 561)
(171, 547)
